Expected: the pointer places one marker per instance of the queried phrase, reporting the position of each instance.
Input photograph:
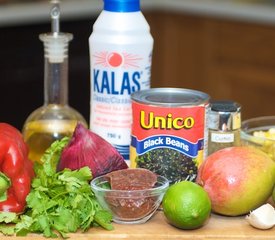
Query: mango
(237, 179)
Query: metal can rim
(189, 97)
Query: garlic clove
(262, 217)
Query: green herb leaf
(23, 227)
(51, 158)
(7, 229)
(8, 217)
(104, 219)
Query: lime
(186, 205)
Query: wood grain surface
(218, 227)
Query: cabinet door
(240, 63)
(178, 48)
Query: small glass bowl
(129, 206)
(253, 134)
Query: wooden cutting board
(218, 227)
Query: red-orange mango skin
(237, 179)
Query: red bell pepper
(16, 170)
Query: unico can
(168, 131)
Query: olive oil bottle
(55, 119)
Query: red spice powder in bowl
(131, 195)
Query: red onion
(88, 149)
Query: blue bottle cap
(122, 5)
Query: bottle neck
(56, 82)
(56, 67)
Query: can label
(168, 141)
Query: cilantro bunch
(59, 202)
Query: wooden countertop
(218, 227)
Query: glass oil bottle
(55, 119)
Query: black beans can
(168, 131)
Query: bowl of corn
(260, 132)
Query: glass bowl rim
(162, 187)
(261, 118)
(248, 136)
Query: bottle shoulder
(121, 28)
(115, 21)
(54, 112)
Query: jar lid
(224, 115)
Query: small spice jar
(224, 125)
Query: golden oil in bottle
(40, 134)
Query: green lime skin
(186, 205)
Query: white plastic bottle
(120, 56)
